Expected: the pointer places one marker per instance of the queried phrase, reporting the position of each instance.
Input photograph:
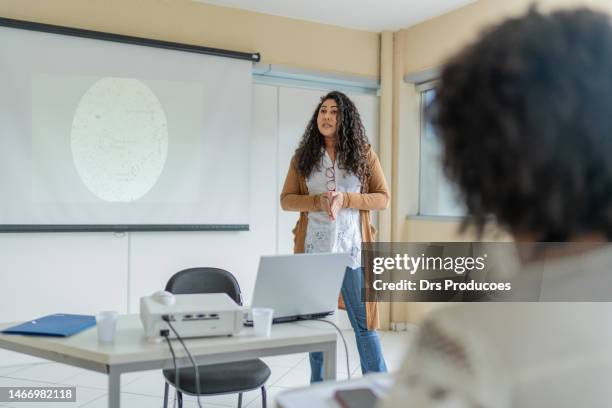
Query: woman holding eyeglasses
(334, 181)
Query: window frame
(422, 88)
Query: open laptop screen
(299, 285)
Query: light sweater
(523, 355)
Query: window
(437, 197)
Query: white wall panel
(60, 273)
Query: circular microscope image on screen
(119, 139)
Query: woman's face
(327, 119)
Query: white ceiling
(370, 15)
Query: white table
(131, 351)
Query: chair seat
(222, 378)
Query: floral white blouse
(344, 233)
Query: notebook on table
(57, 325)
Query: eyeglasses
(331, 173)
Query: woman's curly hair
(351, 141)
(525, 117)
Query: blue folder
(57, 325)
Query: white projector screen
(97, 133)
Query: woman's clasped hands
(331, 203)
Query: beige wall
(430, 229)
(428, 44)
(279, 40)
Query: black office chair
(215, 379)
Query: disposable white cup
(262, 321)
(106, 323)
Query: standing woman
(334, 180)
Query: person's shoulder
(370, 153)
(457, 327)
(460, 314)
(474, 319)
(452, 351)
(294, 160)
(472, 312)
(497, 322)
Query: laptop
(300, 286)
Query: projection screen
(104, 134)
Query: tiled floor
(146, 388)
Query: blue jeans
(368, 341)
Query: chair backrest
(205, 280)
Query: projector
(193, 315)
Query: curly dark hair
(351, 141)
(525, 118)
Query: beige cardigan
(374, 196)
